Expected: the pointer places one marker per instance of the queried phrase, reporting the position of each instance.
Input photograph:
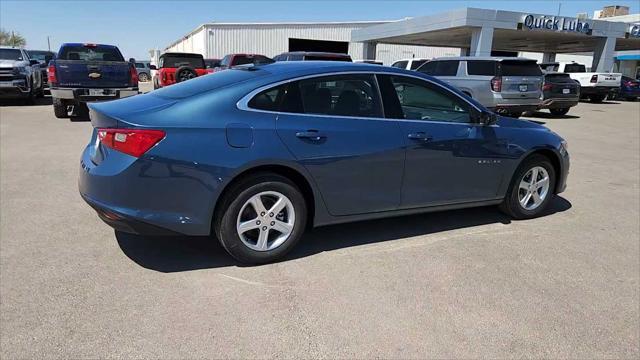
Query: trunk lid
(521, 79)
(93, 74)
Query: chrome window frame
(243, 103)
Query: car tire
(596, 98)
(559, 112)
(144, 77)
(256, 245)
(59, 108)
(520, 201)
(184, 73)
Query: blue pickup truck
(84, 73)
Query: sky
(137, 26)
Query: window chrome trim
(243, 103)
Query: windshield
(175, 61)
(90, 53)
(11, 54)
(41, 55)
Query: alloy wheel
(266, 221)
(533, 188)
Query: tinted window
(327, 58)
(341, 95)
(417, 63)
(400, 64)
(175, 61)
(250, 59)
(574, 68)
(10, 54)
(519, 68)
(90, 53)
(210, 64)
(295, 57)
(440, 68)
(487, 68)
(140, 65)
(268, 99)
(421, 100)
(43, 56)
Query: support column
(548, 57)
(369, 50)
(603, 55)
(481, 41)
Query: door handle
(314, 135)
(420, 136)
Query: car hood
(12, 63)
(504, 121)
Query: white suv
(409, 64)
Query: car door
(334, 126)
(449, 158)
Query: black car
(43, 57)
(559, 93)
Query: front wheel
(531, 189)
(559, 112)
(261, 218)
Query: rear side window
(90, 53)
(486, 68)
(340, 95)
(440, 68)
(574, 68)
(269, 99)
(417, 63)
(400, 64)
(519, 68)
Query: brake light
(134, 142)
(51, 74)
(90, 45)
(547, 87)
(594, 79)
(134, 75)
(496, 84)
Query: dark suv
(232, 60)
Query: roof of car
(494, 58)
(180, 54)
(83, 44)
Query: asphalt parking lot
(457, 284)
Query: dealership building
(602, 44)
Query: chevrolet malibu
(255, 155)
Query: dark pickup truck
(84, 73)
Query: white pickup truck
(595, 86)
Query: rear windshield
(90, 53)
(10, 54)
(574, 68)
(213, 81)
(175, 61)
(520, 68)
(327, 58)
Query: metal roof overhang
(455, 28)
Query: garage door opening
(340, 47)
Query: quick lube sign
(556, 23)
(634, 30)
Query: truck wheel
(559, 112)
(184, 73)
(596, 98)
(143, 77)
(59, 108)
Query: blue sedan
(256, 155)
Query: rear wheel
(261, 218)
(531, 189)
(59, 108)
(559, 112)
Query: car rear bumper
(558, 103)
(82, 94)
(598, 90)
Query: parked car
(83, 73)
(43, 57)
(208, 157)
(629, 88)
(211, 64)
(144, 70)
(232, 60)
(177, 67)
(595, 86)
(311, 55)
(559, 93)
(409, 64)
(20, 76)
(508, 86)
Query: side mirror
(153, 67)
(487, 118)
(34, 62)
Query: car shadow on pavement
(546, 115)
(186, 253)
(45, 101)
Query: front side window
(417, 63)
(340, 95)
(421, 100)
(400, 64)
(440, 68)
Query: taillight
(134, 142)
(594, 78)
(51, 74)
(547, 87)
(134, 75)
(496, 84)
